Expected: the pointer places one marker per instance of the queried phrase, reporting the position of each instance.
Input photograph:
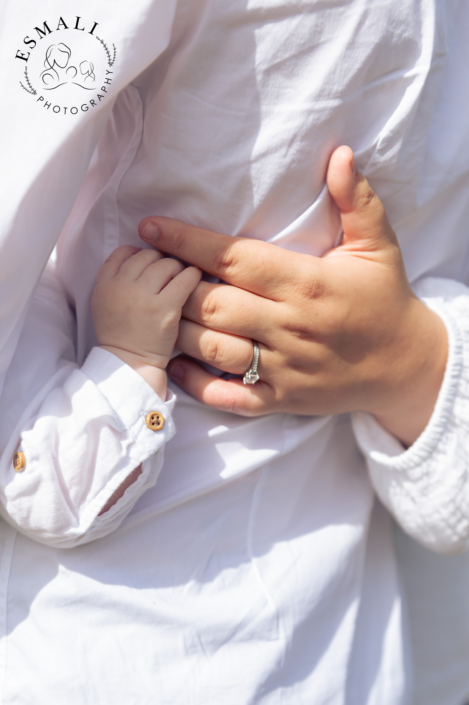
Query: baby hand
(137, 306)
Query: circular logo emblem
(67, 65)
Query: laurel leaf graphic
(30, 88)
(110, 59)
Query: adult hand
(339, 333)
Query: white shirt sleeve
(426, 487)
(82, 430)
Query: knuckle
(300, 330)
(213, 349)
(175, 266)
(313, 324)
(370, 201)
(311, 287)
(110, 258)
(148, 255)
(118, 251)
(208, 307)
(367, 195)
(179, 285)
(164, 266)
(227, 260)
(171, 318)
(178, 241)
(125, 251)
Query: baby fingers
(158, 274)
(181, 286)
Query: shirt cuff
(133, 401)
(131, 398)
(96, 426)
(425, 486)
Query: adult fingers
(250, 264)
(228, 309)
(363, 216)
(229, 353)
(179, 288)
(225, 395)
(114, 262)
(134, 266)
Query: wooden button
(19, 461)
(155, 421)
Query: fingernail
(176, 370)
(150, 232)
(352, 165)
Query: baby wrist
(146, 367)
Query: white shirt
(259, 568)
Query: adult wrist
(418, 389)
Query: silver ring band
(251, 376)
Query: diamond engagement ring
(251, 376)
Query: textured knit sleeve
(78, 432)
(426, 487)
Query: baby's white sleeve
(426, 487)
(79, 432)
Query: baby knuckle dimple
(174, 265)
(179, 287)
(148, 256)
(118, 252)
(110, 258)
(171, 319)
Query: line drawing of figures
(59, 70)
(57, 57)
(87, 70)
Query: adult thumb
(364, 220)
